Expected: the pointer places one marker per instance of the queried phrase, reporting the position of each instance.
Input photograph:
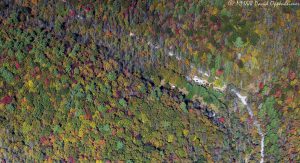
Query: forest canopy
(148, 81)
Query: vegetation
(95, 81)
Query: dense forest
(148, 81)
